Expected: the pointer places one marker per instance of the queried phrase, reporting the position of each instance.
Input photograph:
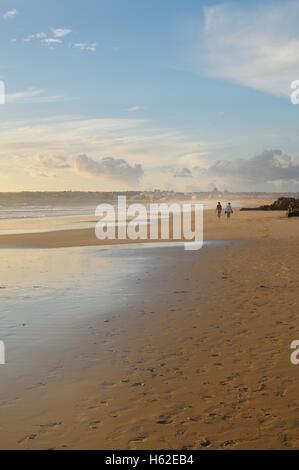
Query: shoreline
(274, 224)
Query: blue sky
(124, 94)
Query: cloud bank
(272, 170)
(269, 166)
(114, 168)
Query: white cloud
(255, 45)
(86, 46)
(51, 41)
(61, 32)
(10, 14)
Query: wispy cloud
(36, 36)
(255, 45)
(86, 46)
(10, 14)
(52, 38)
(56, 37)
(129, 142)
(31, 95)
(135, 109)
(51, 41)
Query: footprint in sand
(30, 437)
(164, 419)
(94, 424)
(205, 443)
(43, 428)
(139, 439)
(139, 384)
(48, 426)
(230, 443)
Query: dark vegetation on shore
(289, 204)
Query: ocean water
(11, 211)
(8, 212)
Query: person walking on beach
(229, 210)
(219, 210)
(290, 208)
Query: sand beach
(136, 347)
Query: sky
(186, 95)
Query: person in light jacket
(229, 210)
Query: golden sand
(206, 366)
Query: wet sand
(200, 359)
